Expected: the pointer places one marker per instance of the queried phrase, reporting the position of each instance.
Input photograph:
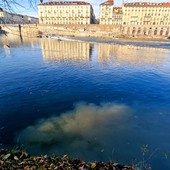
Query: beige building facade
(77, 12)
(110, 15)
(12, 18)
(144, 18)
(143, 13)
(138, 18)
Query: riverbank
(15, 160)
(136, 43)
(93, 30)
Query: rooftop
(65, 3)
(147, 4)
(108, 2)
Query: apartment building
(146, 18)
(110, 15)
(117, 16)
(12, 18)
(143, 13)
(71, 12)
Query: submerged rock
(18, 160)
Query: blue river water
(100, 100)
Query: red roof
(147, 4)
(108, 2)
(66, 3)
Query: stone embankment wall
(69, 30)
(93, 30)
(147, 31)
(20, 30)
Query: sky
(33, 11)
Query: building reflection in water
(11, 41)
(129, 54)
(55, 50)
(7, 51)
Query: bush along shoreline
(19, 160)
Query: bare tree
(12, 5)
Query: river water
(100, 100)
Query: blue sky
(32, 10)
